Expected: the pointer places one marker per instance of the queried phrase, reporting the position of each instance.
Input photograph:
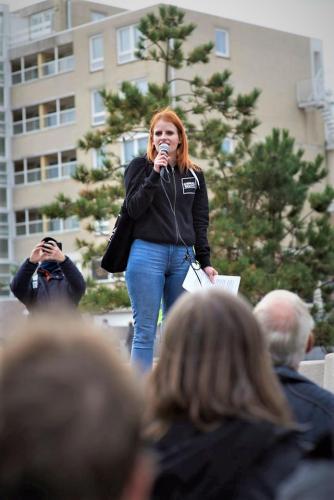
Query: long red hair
(182, 153)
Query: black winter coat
(171, 209)
(66, 286)
(312, 405)
(241, 460)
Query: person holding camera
(56, 282)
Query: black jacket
(312, 405)
(65, 286)
(240, 460)
(152, 203)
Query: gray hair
(287, 324)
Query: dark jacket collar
(289, 374)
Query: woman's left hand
(211, 273)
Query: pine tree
(271, 227)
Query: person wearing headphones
(167, 198)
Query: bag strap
(195, 175)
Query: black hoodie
(240, 460)
(170, 208)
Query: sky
(312, 18)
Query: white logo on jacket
(188, 185)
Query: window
(97, 16)
(3, 174)
(227, 145)
(27, 171)
(3, 197)
(222, 43)
(227, 148)
(1, 72)
(4, 229)
(141, 84)
(5, 277)
(134, 147)
(1, 34)
(99, 156)
(28, 221)
(41, 23)
(59, 165)
(98, 109)
(51, 114)
(127, 40)
(96, 61)
(60, 225)
(2, 96)
(2, 122)
(101, 227)
(3, 249)
(2, 146)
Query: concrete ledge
(320, 371)
(314, 370)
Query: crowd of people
(224, 414)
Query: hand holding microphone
(161, 160)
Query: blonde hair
(214, 364)
(182, 154)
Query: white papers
(197, 280)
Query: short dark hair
(49, 238)
(69, 416)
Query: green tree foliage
(269, 225)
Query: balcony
(43, 116)
(311, 93)
(48, 63)
(53, 166)
(60, 170)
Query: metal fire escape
(311, 94)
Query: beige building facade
(56, 57)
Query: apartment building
(57, 55)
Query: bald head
(287, 324)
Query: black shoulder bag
(116, 256)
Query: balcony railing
(29, 176)
(61, 170)
(50, 120)
(311, 92)
(54, 67)
(29, 227)
(58, 171)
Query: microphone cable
(187, 257)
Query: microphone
(164, 148)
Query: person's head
(48, 239)
(166, 126)
(214, 364)
(70, 418)
(287, 324)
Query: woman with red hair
(167, 198)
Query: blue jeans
(155, 272)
